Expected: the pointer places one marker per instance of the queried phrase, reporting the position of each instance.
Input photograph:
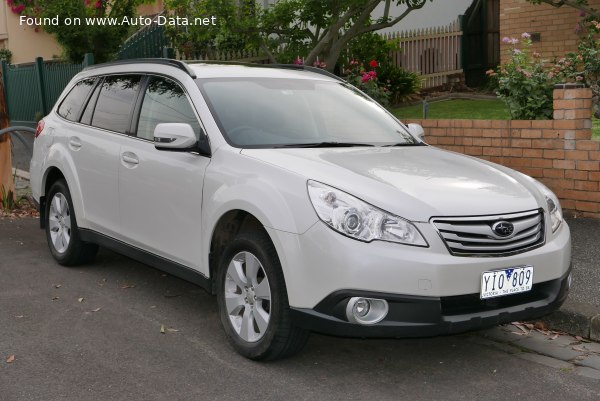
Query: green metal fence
(152, 41)
(147, 42)
(32, 89)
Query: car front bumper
(417, 316)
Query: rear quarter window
(70, 107)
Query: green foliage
(525, 83)
(401, 83)
(6, 54)
(289, 29)
(365, 78)
(76, 40)
(7, 198)
(236, 27)
(371, 46)
(584, 65)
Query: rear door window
(115, 102)
(74, 101)
(165, 101)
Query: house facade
(24, 42)
(553, 29)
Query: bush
(584, 66)
(402, 84)
(369, 46)
(365, 78)
(525, 84)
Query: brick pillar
(573, 102)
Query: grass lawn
(457, 108)
(467, 108)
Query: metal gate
(481, 40)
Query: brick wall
(560, 152)
(556, 26)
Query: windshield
(276, 112)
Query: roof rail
(163, 61)
(284, 66)
(316, 70)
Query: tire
(253, 302)
(62, 232)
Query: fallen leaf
(57, 285)
(10, 359)
(529, 326)
(554, 337)
(80, 300)
(96, 310)
(19, 316)
(519, 333)
(172, 330)
(55, 298)
(578, 349)
(126, 286)
(540, 326)
(162, 329)
(520, 327)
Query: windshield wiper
(403, 144)
(324, 145)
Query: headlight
(554, 208)
(359, 220)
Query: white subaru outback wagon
(298, 201)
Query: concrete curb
(576, 318)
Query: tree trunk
(6, 178)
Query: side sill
(148, 258)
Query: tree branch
(381, 25)
(582, 6)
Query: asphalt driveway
(94, 333)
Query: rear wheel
(252, 299)
(62, 232)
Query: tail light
(39, 128)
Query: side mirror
(417, 131)
(174, 136)
(180, 137)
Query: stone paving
(562, 351)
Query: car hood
(416, 182)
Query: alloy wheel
(247, 297)
(59, 220)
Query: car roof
(212, 69)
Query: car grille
(474, 236)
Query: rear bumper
(413, 316)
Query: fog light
(366, 310)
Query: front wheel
(252, 299)
(62, 232)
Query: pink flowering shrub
(367, 81)
(525, 83)
(584, 65)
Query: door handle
(130, 158)
(75, 143)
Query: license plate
(497, 283)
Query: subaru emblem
(503, 228)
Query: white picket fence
(434, 53)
